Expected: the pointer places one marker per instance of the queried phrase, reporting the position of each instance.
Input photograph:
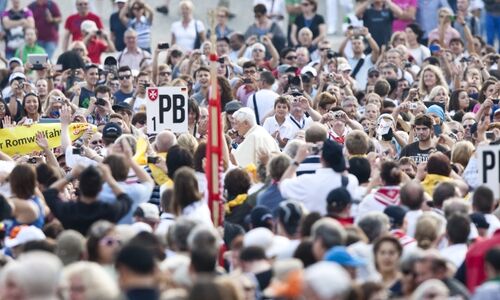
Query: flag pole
(214, 141)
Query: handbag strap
(256, 108)
(357, 67)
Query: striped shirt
(143, 29)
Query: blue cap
(340, 255)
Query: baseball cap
(496, 111)
(232, 106)
(373, 70)
(260, 216)
(16, 75)
(332, 153)
(24, 235)
(290, 213)
(15, 59)
(70, 245)
(340, 255)
(344, 67)
(339, 198)
(88, 26)
(396, 215)
(147, 211)
(122, 106)
(259, 237)
(111, 131)
(309, 69)
(111, 60)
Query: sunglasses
(291, 57)
(374, 75)
(110, 241)
(124, 77)
(82, 4)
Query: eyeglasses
(124, 77)
(324, 49)
(291, 57)
(468, 125)
(82, 4)
(249, 72)
(165, 73)
(110, 241)
(374, 75)
(95, 142)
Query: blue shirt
(121, 96)
(270, 197)
(116, 26)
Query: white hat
(25, 234)
(120, 1)
(259, 46)
(309, 69)
(88, 26)
(344, 67)
(259, 237)
(17, 75)
(141, 227)
(148, 211)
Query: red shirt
(96, 47)
(73, 23)
(47, 32)
(474, 260)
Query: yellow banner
(22, 139)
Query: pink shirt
(400, 25)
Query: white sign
(167, 108)
(489, 167)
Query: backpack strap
(345, 181)
(256, 109)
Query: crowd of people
(349, 171)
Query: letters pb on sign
(489, 167)
(167, 108)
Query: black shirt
(80, 216)
(317, 20)
(379, 23)
(418, 155)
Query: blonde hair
(440, 80)
(188, 141)
(427, 230)
(462, 152)
(186, 3)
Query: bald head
(164, 140)
(412, 195)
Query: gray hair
(292, 147)
(374, 224)
(203, 237)
(328, 280)
(456, 205)
(36, 273)
(245, 114)
(330, 232)
(431, 285)
(97, 282)
(177, 236)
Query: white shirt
(420, 53)
(299, 125)
(186, 36)
(312, 189)
(362, 75)
(455, 253)
(265, 103)
(285, 129)
(256, 139)
(411, 218)
(494, 223)
(371, 202)
(199, 212)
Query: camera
(247, 80)
(163, 46)
(295, 92)
(221, 60)
(315, 149)
(100, 102)
(146, 85)
(490, 135)
(98, 32)
(465, 59)
(153, 159)
(337, 115)
(32, 160)
(413, 105)
(407, 65)
(294, 80)
(331, 54)
(494, 59)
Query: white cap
(88, 26)
(344, 67)
(25, 234)
(17, 75)
(120, 1)
(141, 227)
(259, 237)
(148, 211)
(309, 69)
(259, 46)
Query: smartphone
(453, 18)
(153, 159)
(28, 121)
(77, 151)
(495, 101)
(247, 80)
(437, 130)
(434, 48)
(163, 46)
(100, 102)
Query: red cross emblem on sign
(153, 94)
